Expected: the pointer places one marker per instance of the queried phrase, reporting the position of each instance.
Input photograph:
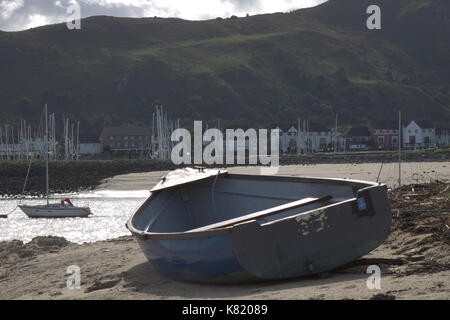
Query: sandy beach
(414, 260)
(412, 172)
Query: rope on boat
(379, 173)
(6, 215)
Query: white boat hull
(55, 212)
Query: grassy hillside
(257, 70)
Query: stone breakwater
(68, 176)
(74, 176)
(366, 157)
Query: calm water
(111, 211)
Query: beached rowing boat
(216, 227)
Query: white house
(419, 135)
(89, 144)
(294, 141)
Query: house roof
(384, 125)
(126, 131)
(318, 128)
(358, 132)
(89, 138)
(425, 124)
(442, 131)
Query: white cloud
(7, 7)
(36, 20)
(23, 14)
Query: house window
(111, 138)
(125, 138)
(132, 138)
(140, 137)
(126, 144)
(395, 141)
(118, 144)
(380, 141)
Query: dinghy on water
(216, 227)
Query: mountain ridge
(253, 71)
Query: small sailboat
(215, 227)
(64, 209)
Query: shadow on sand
(144, 278)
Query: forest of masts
(28, 143)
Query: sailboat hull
(55, 212)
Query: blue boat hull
(207, 260)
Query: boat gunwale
(185, 235)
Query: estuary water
(111, 210)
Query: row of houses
(385, 136)
(293, 140)
(382, 135)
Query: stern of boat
(316, 241)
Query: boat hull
(300, 245)
(48, 212)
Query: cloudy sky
(24, 14)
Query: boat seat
(263, 213)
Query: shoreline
(86, 175)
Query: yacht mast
(46, 151)
(399, 148)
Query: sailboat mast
(46, 151)
(399, 148)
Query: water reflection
(111, 211)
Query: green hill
(253, 71)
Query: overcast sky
(24, 14)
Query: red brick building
(384, 134)
(125, 138)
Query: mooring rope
(379, 173)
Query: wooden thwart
(3, 216)
(263, 213)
